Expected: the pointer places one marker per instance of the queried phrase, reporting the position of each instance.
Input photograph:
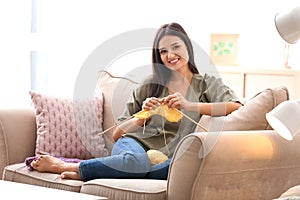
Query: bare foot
(46, 163)
(70, 175)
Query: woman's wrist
(193, 107)
(142, 122)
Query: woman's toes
(33, 164)
(70, 175)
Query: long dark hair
(161, 74)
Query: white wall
(69, 30)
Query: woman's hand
(134, 123)
(176, 100)
(151, 103)
(117, 134)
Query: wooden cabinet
(248, 82)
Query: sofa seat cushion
(139, 189)
(20, 173)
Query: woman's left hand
(176, 100)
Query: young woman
(176, 83)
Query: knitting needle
(198, 124)
(114, 126)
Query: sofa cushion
(19, 173)
(251, 116)
(139, 189)
(116, 92)
(69, 128)
(133, 189)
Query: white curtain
(15, 53)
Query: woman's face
(173, 52)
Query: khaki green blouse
(163, 135)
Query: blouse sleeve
(217, 91)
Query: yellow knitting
(171, 114)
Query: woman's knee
(137, 162)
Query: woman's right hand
(132, 124)
(151, 103)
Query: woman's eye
(176, 47)
(163, 51)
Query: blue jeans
(128, 160)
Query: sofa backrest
(116, 92)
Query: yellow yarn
(171, 114)
(156, 157)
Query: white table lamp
(288, 25)
(285, 119)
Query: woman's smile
(174, 61)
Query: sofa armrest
(17, 135)
(234, 165)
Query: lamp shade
(288, 25)
(285, 119)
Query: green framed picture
(223, 49)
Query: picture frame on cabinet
(223, 49)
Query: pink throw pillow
(69, 128)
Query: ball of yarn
(156, 156)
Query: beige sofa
(221, 164)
